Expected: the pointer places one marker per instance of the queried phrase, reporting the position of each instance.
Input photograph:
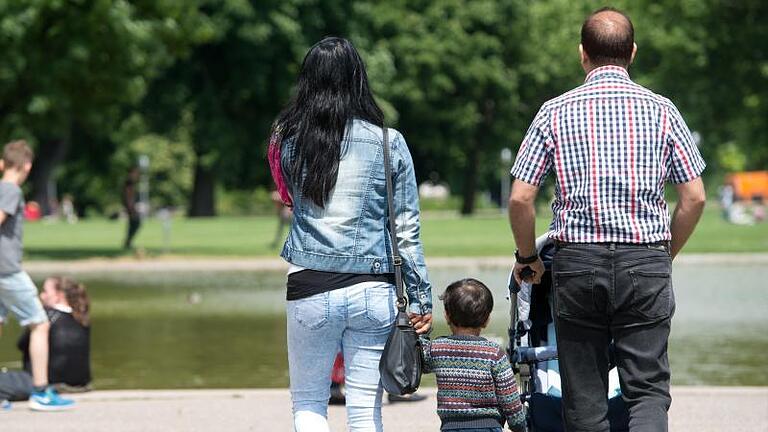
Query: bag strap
(397, 261)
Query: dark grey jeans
(620, 293)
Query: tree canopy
(197, 84)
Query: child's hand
(421, 323)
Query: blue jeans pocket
(312, 312)
(380, 304)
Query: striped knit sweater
(476, 387)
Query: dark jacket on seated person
(69, 360)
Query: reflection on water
(227, 329)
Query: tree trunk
(470, 178)
(472, 170)
(202, 203)
(48, 155)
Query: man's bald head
(608, 38)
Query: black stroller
(533, 353)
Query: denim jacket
(350, 234)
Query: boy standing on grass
(476, 388)
(18, 293)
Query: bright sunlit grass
(443, 235)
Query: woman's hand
(421, 323)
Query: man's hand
(421, 323)
(538, 272)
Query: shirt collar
(607, 70)
(62, 308)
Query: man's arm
(690, 205)
(522, 219)
(2, 217)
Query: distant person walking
(130, 196)
(326, 159)
(18, 293)
(612, 144)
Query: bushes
(244, 202)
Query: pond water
(227, 329)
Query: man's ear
(634, 51)
(584, 59)
(583, 55)
(2, 165)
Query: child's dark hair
(468, 303)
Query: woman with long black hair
(326, 156)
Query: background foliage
(196, 84)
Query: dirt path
(699, 409)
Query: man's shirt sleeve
(686, 161)
(534, 159)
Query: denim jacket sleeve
(415, 278)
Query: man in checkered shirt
(612, 145)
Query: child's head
(468, 303)
(17, 157)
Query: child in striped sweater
(476, 388)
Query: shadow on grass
(32, 253)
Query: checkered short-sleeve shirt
(612, 145)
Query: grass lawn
(443, 235)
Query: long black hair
(331, 90)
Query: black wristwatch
(525, 260)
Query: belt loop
(613, 247)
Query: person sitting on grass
(476, 387)
(18, 293)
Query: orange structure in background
(749, 185)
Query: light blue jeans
(19, 296)
(357, 320)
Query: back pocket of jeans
(312, 312)
(380, 304)
(574, 293)
(651, 293)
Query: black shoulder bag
(400, 364)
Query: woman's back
(351, 227)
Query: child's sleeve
(507, 394)
(426, 354)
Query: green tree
(234, 84)
(71, 68)
(454, 85)
(711, 58)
